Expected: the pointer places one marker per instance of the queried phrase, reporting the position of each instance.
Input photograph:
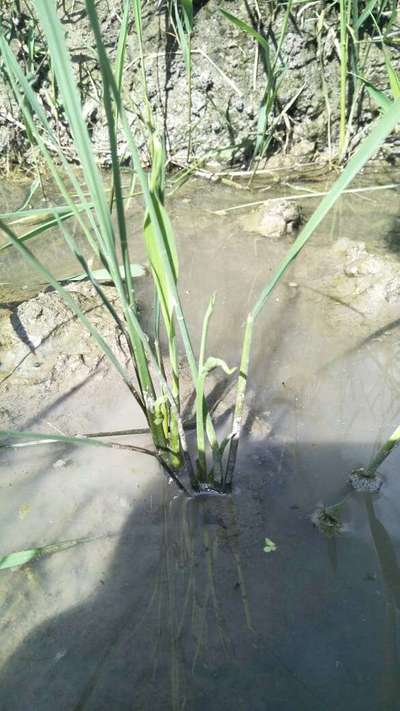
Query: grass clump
(153, 381)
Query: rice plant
(181, 17)
(382, 128)
(153, 381)
(267, 120)
(360, 25)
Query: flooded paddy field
(172, 603)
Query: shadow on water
(191, 613)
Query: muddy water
(173, 604)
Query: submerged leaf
(270, 546)
(20, 558)
(137, 270)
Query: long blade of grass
(119, 68)
(394, 76)
(166, 298)
(201, 414)
(137, 11)
(121, 46)
(155, 217)
(35, 185)
(249, 31)
(365, 13)
(55, 36)
(39, 230)
(103, 275)
(40, 214)
(20, 558)
(63, 70)
(384, 452)
(382, 128)
(28, 102)
(269, 94)
(35, 438)
(378, 96)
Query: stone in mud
(364, 280)
(60, 463)
(304, 149)
(280, 218)
(362, 265)
(42, 341)
(357, 260)
(277, 218)
(392, 291)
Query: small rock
(351, 270)
(363, 266)
(276, 218)
(60, 463)
(392, 291)
(304, 148)
(279, 218)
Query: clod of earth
(276, 218)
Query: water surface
(174, 604)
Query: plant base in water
(328, 520)
(361, 481)
(203, 487)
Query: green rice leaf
(394, 77)
(20, 558)
(365, 13)
(40, 229)
(35, 185)
(102, 275)
(378, 96)
(187, 7)
(246, 28)
(382, 128)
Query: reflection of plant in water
(189, 588)
(390, 571)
